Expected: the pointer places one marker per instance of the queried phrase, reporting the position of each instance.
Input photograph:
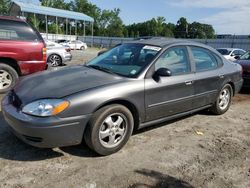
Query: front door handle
(189, 83)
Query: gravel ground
(201, 150)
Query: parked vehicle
(244, 61)
(22, 51)
(77, 45)
(131, 86)
(74, 44)
(60, 41)
(57, 54)
(231, 53)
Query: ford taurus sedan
(131, 86)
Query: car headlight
(46, 107)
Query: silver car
(57, 54)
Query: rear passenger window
(14, 30)
(175, 59)
(204, 60)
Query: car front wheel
(55, 60)
(223, 101)
(8, 78)
(109, 129)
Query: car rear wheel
(109, 129)
(82, 48)
(55, 60)
(8, 78)
(223, 101)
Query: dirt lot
(201, 150)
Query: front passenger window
(175, 59)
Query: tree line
(109, 23)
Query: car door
(208, 76)
(170, 95)
(72, 45)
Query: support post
(84, 29)
(92, 33)
(66, 26)
(56, 28)
(46, 20)
(37, 27)
(76, 28)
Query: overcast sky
(226, 16)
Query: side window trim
(219, 61)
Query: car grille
(14, 99)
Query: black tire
(93, 130)
(82, 48)
(217, 108)
(11, 78)
(55, 60)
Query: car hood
(61, 83)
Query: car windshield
(224, 51)
(245, 56)
(126, 59)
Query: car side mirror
(237, 57)
(162, 72)
(232, 54)
(101, 52)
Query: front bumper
(67, 57)
(46, 132)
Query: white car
(76, 45)
(57, 54)
(231, 53)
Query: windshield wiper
(102, 69)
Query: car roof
(11, 18)
(163, 42)
(229, 49)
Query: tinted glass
(126, 59)
(224, 51)
(246, 56)
(204, 60)
(238, 52)
(14, 30)
(174, 59)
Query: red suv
(22, 51)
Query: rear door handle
(189, 83)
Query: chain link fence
(108, 42)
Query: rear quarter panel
(27, 54)
(232, 72)
(22, 50)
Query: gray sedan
(131, 86)
(57, 54)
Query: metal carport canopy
(32, 8)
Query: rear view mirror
(237, 57)
(101, 52)
(163, 72)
